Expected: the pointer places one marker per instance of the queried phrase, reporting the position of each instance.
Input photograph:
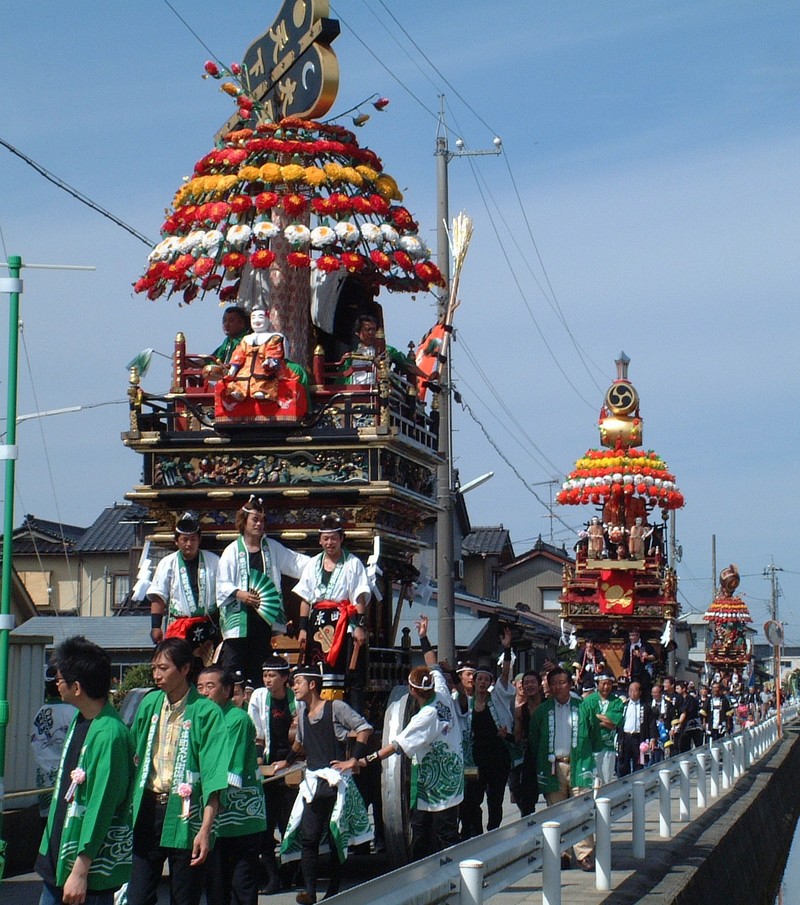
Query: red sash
(181, 626)
(346, 610)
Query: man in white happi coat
(248, 615)
(334, 591)
(184, 587)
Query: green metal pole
(13, 286)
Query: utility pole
(11, 286)
(445, 494)
(771, 572)
(714, 563)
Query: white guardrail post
(685, 811)
(639, 820)
(701, 779)
(664, 805)
(551, 863)
(471, 882)
(715, 760)
(602, 854)
(727, 765)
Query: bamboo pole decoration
(459, 238)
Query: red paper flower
(328, 263)
(429, 273)
(361, 205)
(380, 259)
(183, 262)
(403, 218)
(233, 260)
(353, 262)
(294, 204)
(341, 203)
(403, 260)
(203, 266)
(379, 205)
(241, 203)
(218, 211)
(323, 206)
(298, 259)
(265, 201)
(262, 258)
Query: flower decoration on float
(605, 473)
(308, 184)
(728, 609)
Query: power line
(79, 196)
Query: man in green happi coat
(603, 711)
(559, 738)
(85, 853)
(182, 766)
(233, 865)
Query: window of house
(550, 599)
(120, 588)
(38, 585)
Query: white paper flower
(264, 229)
(322, 236)
(192, 241)
(238, 235)
(164, 249)
(389, 234)
(212, 240)
(371, 232)
(297, 234)
(412, 246)
(348, 232)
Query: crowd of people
(208, 778)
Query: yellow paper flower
(249, 174)
(270, 172)
(334, 172)
(316, 176)
(387, 187)
(352, 175)
(292, 173)
(367, 172)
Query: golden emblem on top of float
(620, 423)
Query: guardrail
(473, 871)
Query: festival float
(727, 647)
(622, 577)
(291, 215)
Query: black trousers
(248, 654)
(494, 766)
(313, 825)
(628, 761)
(186, 882)
(432, 831)
(233, 871)
(523, 784)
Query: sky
(646, 200)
